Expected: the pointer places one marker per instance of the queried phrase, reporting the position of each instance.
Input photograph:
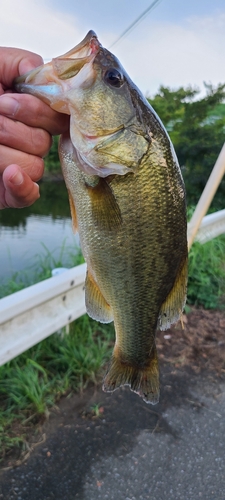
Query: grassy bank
(33, 382)
(206, 275)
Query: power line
(139, 19)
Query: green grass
(52, 163)
(206, 283)
(206, 274)
(42, 268)
(33, 382)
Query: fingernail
(16, 179)
(8, 105)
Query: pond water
(30, 234)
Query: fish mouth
(60, 83)
(49, 81)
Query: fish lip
(47, 74)
(90, 42)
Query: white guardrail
(31, 315)
(212, 225)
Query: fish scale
(125, 277)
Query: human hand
(26, 127)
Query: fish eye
(113, 77)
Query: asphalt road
(133, 451)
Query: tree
(52, 163)
(197, 130)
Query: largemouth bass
(127, 201)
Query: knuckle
(41, 141)
(37, 168)
(3, 127)
(33, 167)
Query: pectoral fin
(73, 212)
(96, 305)
(105, 209)
(173, 306)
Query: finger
(33, 112)
(16, 135)
(16, 62)
(20, 190)
(31, 164)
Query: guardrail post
(207, 196)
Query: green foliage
(42, 268)
(53, 201)
(79, 355)
(170, 104)
(34, 381)
(196, 127)
(52, 163)
(26, 386)
(206, 276)
(8, 438)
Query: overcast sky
(178, 43)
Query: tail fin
(142, 380)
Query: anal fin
(96, 305)
(172, 307)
